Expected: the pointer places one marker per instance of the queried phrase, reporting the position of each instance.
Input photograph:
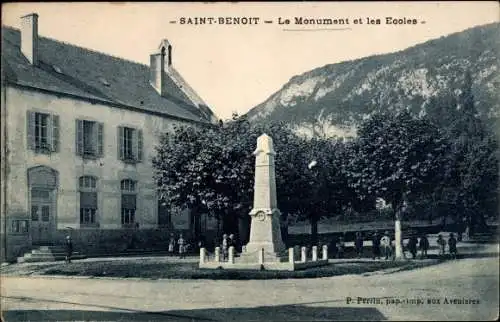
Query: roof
(68, 69)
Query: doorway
(42, 187)
(41, 217)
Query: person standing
(232, 242)
(424, 246)
(452, 245)
(442, 244)
(225, 246)
(385, 243)
(332, 248)
(412, 246)
(69, 249)
(171, 244)
(340, 248)
(182, 246)
(359, 244)
(376, 245)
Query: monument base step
(247, 257)
(271, 266)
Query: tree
(212, 169)
(474, 176)
(396, 157)
(328, 190)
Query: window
(89, 139)
(88, 200)
(45, 213)
(128, 188)
(129, 144)
(42, 132)
(34, 213)
(19, 226)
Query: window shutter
(79, 137)
(30, 130)
(55, 132)
(100, 139)
(139, 144)
(121, 148)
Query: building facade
(79, 129)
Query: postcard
(250, 161)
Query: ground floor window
(87, 216)
(19, 226)
(88, 200)
(128, 216)
(129, 201)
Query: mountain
(333, 99)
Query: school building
(79, 129)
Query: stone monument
(265, 232)
(265, 249)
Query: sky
(236, 67)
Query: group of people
(452, 245)
(227, 242)
(383, 246)
(178, 245)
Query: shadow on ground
(263, 313)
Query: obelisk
(265, 223)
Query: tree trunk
(398, 239)
(244, 228)
(314, 230)
(398, 254)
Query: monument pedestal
(265, 234)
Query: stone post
(325, 252)
(261, 256)
(202, 255)
(217, 254)
(303, 254)
(291, 255)
(231, 254)
(314, 253)
(296, 251)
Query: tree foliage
(446, 161)
(211, 169)
(394, 156)
(471, 182)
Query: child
(442, 244)
(452, 245)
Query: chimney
(29, 37)
(160, 63)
